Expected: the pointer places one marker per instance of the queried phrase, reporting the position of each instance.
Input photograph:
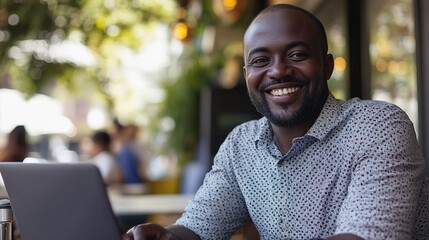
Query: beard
(309, 109)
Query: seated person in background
(15, 150)
(127, 154)
(314, 167)
(104, 159)
(17, 147)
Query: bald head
(286, 7)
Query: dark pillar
(358, 39)
(421, 8)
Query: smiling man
(313, 167)
(286, 69)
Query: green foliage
(106, 28)
(103, 26)
(182, 104)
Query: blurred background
(172, 70)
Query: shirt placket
(280, 185)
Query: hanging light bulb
(229, 5)
(181, 30)
(229, 11)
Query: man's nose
(280, 69)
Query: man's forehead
(278, 22)
(280, 18)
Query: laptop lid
(65, 201)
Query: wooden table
(146, 204)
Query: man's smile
(283, 91)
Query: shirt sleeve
(421, 224)
(386, 180)
(218, 208)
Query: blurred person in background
(15, 150)
(17, 146)
(101, 155)
(127, 152)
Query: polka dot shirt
(358, 170)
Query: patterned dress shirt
(357, 170)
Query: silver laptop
(66, 201)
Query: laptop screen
(65, 201)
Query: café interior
(172, 70)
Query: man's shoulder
(360, 107)
(357, 102)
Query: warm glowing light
(383, 47)
(181, 31)
(393, 67)
(381, 65)
(402, 67)
(398, 67)
(229, 4)
(340, 64)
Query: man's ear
(329, 66)
(244, 72)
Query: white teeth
(284, 91)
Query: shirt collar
(328, 119)
(264, 136)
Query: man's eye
(259, 62)
(298, 56)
